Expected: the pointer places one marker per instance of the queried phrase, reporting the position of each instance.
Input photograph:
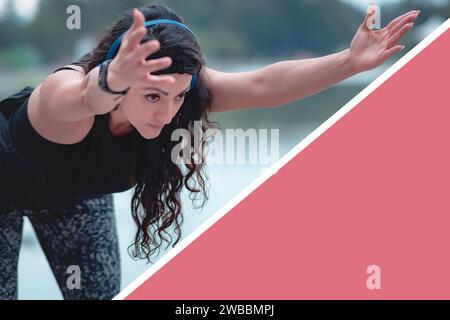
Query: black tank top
(38, 174)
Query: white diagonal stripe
(284, 160)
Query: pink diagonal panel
(374, 189)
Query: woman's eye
(153, 97)
(156, 97)
(181, 96)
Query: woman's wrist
(113, 79)
(100, 101)
(348, 63)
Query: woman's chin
(150, 132)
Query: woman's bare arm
(277, 84)
(69, 96)
(287, 81)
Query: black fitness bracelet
(102, 80)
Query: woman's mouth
(154, 127)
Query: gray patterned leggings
(84, 235)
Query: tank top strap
(64, 68)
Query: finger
(401, 23)
(134, 38)
(390, 52)
(154, 65)
(395, 38)
(147, 49)
(368, 18)
(394, 22)
(138, 20)
(137, 31)
(161, 79)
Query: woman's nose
(164, 115)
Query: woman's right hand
(129, 68)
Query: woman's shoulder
(53, 130)
(65, 133)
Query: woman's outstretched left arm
(287, 81)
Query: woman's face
(150, 109)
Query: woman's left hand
(371, 48)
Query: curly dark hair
(156, 204)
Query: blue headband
(115, 47)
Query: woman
(104, 124)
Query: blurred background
(235, 36)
